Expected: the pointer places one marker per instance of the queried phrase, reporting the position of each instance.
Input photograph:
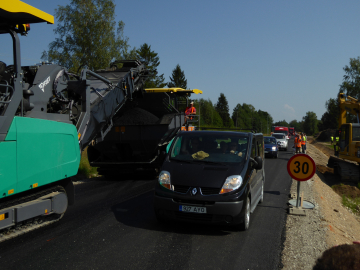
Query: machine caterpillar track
(347, 170)
(19, 209)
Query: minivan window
(210, 148)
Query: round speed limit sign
(301, 167)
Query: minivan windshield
(209, 148)
(279, 136)
(269, 140)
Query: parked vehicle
(280, 137)
(271, 147)
(211, 177)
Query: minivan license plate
(192, 209)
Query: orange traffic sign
(301, 167)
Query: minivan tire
(245, 224)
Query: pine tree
(222, 107)
(151, 61)
(178, 78)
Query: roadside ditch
(328, 224)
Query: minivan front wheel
(245, 224)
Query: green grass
(85, 168)
(352, 204)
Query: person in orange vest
(190, 110)
(297, 143)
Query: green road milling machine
(47, 117)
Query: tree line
(244, 116)
(88, 35)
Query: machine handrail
(13, 91)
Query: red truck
(284, 130)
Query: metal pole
(199, 114)
(298, 194)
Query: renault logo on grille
(194, 191)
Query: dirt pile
(348, 191)
(325, 136)
(323, 147)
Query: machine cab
(349, 141)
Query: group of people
(336, 139)
(300, 143)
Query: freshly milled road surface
(112, 226)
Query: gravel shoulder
(328, 224)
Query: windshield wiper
(181, 160)
(210, 162)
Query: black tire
(246, 223)
(277, 153)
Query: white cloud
(289, 108)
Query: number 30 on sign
(301, 167)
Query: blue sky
(283, 57)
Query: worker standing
(303, 143)
(332, 139)
(297, 142)
(189, 110)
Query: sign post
(300, 167)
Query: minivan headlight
(273, 148)
(231, 183)
(164, 180)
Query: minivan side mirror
(257, 163)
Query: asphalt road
(112, 226)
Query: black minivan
(211, 177)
